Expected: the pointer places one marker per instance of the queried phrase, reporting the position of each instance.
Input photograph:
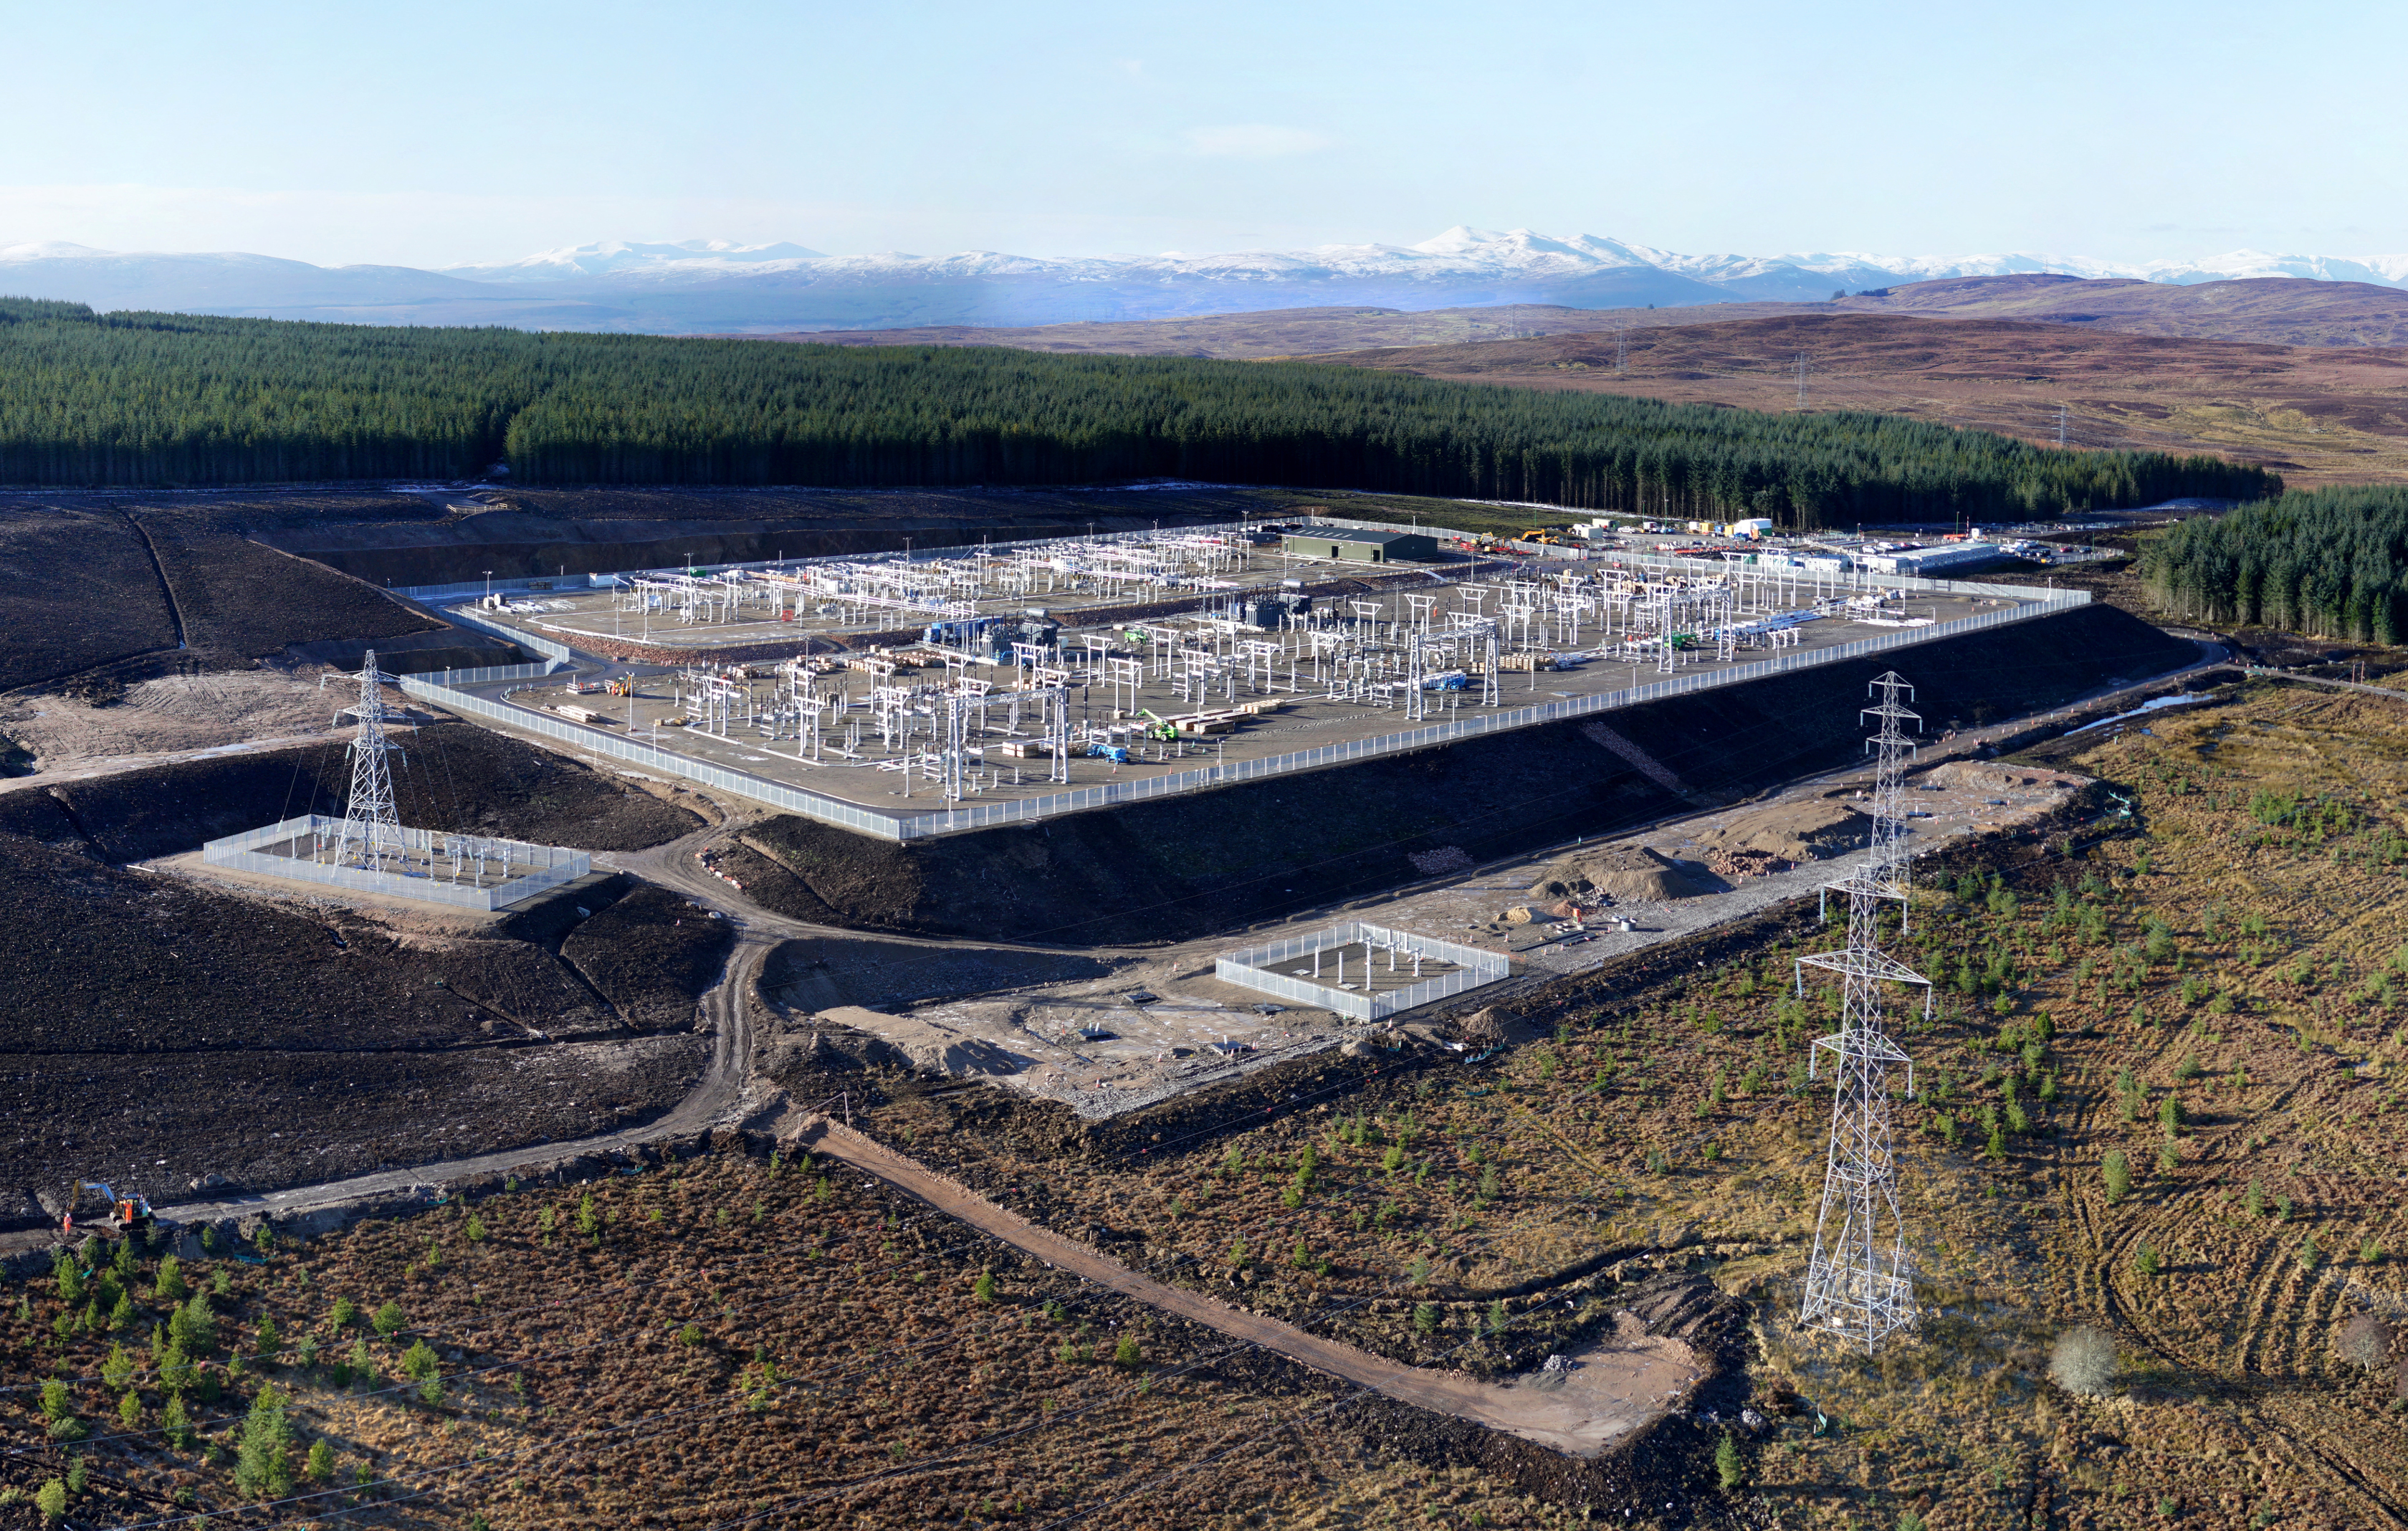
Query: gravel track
(1625, 1389)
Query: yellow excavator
(126, 1214)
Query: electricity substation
(954, 689)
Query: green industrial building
(1362, 547)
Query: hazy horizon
(703, 248)
(1078, 130)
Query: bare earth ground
(176, 716)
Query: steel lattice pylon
(371, 833)
(1860, 1283)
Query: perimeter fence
(548, 865)
(961, 817)
(2026, 604)
(1474, 967)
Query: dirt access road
(1617, 1389)
(728, 1094)
(1613, 1394)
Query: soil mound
(91, 586)
(239, 601)
(1494, 1024)
(82, 591)
(1628, 874)
(1983, 776)
(930, 1046)
(1797, 832)
(158, 1029)
(540, 533)
(825, 973)
(651, 954)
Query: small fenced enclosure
(465, 871)
(1364, 972)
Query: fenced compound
(465, 871)
(956, 818)
(1386, 986)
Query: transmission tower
(371, 833)
(1860, 1283)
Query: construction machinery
(126, 1214)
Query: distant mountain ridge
(702, 286)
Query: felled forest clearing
(2156, 1100)
(2209, 989)
(713, 1343)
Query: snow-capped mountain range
(715, 285)
(1460, 251)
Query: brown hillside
(2317, 414)
(2277, 310)
(2273, 310)
(1288, 331)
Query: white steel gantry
(1859, 1284)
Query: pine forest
(129, 399)
(2329, 562)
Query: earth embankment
(451, 778)
(160, 1032)
(162, 1028)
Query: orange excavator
(126, 1214)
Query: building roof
(1348, 533)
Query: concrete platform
(1304, 689)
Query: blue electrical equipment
(1265, 612)
(967, 633)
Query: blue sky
(441, 133)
